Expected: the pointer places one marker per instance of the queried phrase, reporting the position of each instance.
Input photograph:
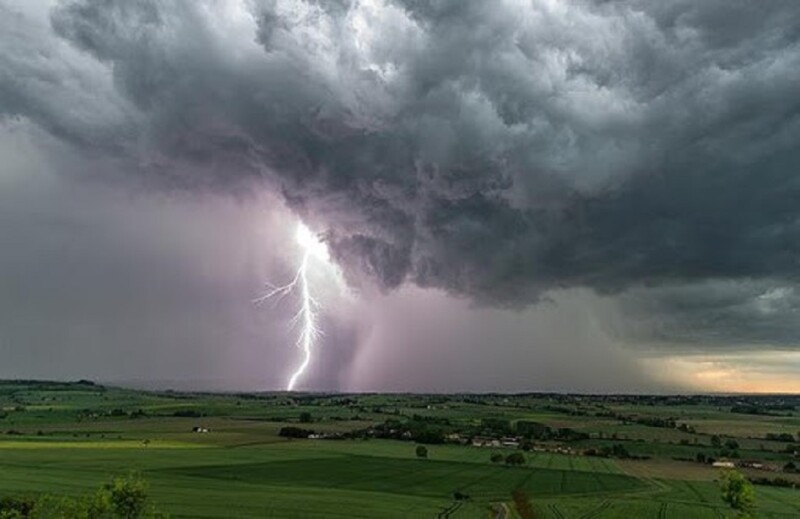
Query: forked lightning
(307, 314)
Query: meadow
(228, 455)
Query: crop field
(250, 455)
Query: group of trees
(616, 450)
(417, 430)
(295, 432)
(763, 410)
(727, 449)
(538, 431)
(781, 437)
(513, 459)
(774, 482)
(120, 498)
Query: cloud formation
(495, 150)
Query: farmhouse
(480, 441)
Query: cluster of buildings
(743, 464)
(508, 441)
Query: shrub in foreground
(737, 491)
(120, 498)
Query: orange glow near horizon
(763, 372)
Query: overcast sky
(516, 195)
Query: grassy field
(70, 438)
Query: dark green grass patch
(415, 477)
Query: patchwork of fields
(242, 467)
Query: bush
(128, 496)
(422, 451)
(731, 445)
(515, 458)
(496, 457)
(66, 507)
(701, 458)
(11, 508)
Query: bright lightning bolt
(307, 314)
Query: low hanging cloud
(495, 150)
(736, 315)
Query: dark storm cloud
(496, 150)
(717, 314)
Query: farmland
(250, 455)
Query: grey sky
(601, 181)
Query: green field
(70, 438)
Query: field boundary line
(599, 480)
(781, 500)
(486, 476)
(553, 508)
(528, 477)
(594, 512)
(696, 492)
(444, 514)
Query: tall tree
(738, 492)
